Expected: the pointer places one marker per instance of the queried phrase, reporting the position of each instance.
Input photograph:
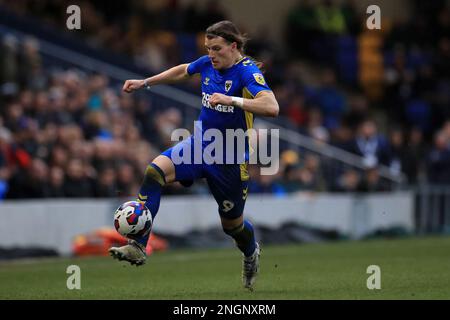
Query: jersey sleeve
(197, 66)
(254, 80)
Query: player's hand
(131, 85)
(218, 98)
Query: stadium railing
(432, 209)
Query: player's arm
(263, 104)
(172, 75)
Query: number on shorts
(227, 205)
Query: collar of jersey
(240, 60)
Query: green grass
(413, 268)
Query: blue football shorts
(228, 183)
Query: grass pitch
(413, 268)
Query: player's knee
(165, 164)
(154, 175)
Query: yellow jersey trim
(240, 60)
(248, 115)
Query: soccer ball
(133, 220)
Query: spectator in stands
(56, 182)
(331, 101)
(30, 183)
(126, 183)
(296, 112)
(106, 183)
(17, 159)
(370, 145)
(14, 117)
(30, 73)
(5, 172)
(371, 181)
(294, 178)
(8, 60)
(76, 183)
(296, 175)
(264, 183)
(398, 153)
(311, 174)
(357, 113)
(439, 159)
(103, 154)
(343, 137)
(349, 181)
(165, 122)
(314, 126)
(59, 156)
(97, 126)
(414, 168)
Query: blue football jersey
(243, 79)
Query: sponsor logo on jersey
(218, 107)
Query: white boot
(133, 252)
(250, 268)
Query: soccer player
(233, 90)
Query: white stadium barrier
(54, 223)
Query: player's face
(221, 53)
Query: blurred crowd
(69, 133)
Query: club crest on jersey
(206, 82)
(259, 78)
(228, 84)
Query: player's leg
(157, 174)
(229, 185)
(160, 172)
(242, 232)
